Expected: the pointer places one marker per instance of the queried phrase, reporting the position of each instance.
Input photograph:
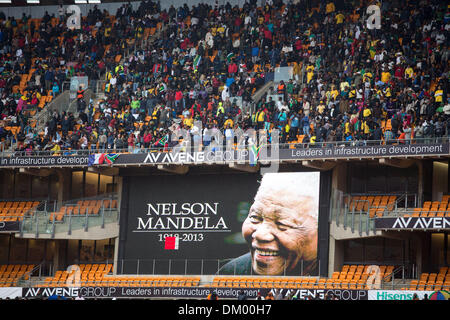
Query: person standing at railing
(102, 141)
(294, 125)
(428, 130)
(305, 124)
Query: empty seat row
(428, 213)
(18, 204)
(16, 210)
(375, 205)
(361, 272)
(10, 274)
(432, 281)
(83, 207)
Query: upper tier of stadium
(213, 68)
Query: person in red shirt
(399, 72)
(147, 139)
(232, 68)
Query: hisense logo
(383, 295)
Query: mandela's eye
(281, 226)
(254, 218)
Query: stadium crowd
(349, 83)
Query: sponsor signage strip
(397, 294)
(10, 292)
(432, 223)
(186, 292)
(244, 155)
(9, 226)
(44, 161)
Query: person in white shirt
(209, 39)
(446, 108)
(113, 81)
(440, 38)
(225, 93)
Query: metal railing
(201, 267)
(356, 214)
(398, 279)
(412, 212)
(42, 223)
(418, 143)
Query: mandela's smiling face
(280, 233)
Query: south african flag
(254, 154)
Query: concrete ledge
(244, 167)
(339, 233)
(111, 230)
(398, 163)
(319, 165)
(178, 169)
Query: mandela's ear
(310, 245)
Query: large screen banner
(241, 224)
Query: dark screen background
(233, 192)
(144, 253)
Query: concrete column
(418, 245)
(420, 183)
(116, 240)
(116, 255)
(339, 179)
(56, 256)
(336, 255)
(119, 190)
(64, 180)
(440, 180)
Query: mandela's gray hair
(296, 190)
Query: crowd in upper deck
(348, 82)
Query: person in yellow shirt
(334, 93)
(378, 92)
(409, 72)
(339, 18)
(56, 148)
(344, 85)
(352, 93)
(310, 73)
(438, 95)
(321, 107)
(188, 121)
(365, 129)
(260, 119)
(228, 123)
(330, 7)
(367, 77)
(107, 31)
(385, 77)
(347, 127)
(220, 109)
